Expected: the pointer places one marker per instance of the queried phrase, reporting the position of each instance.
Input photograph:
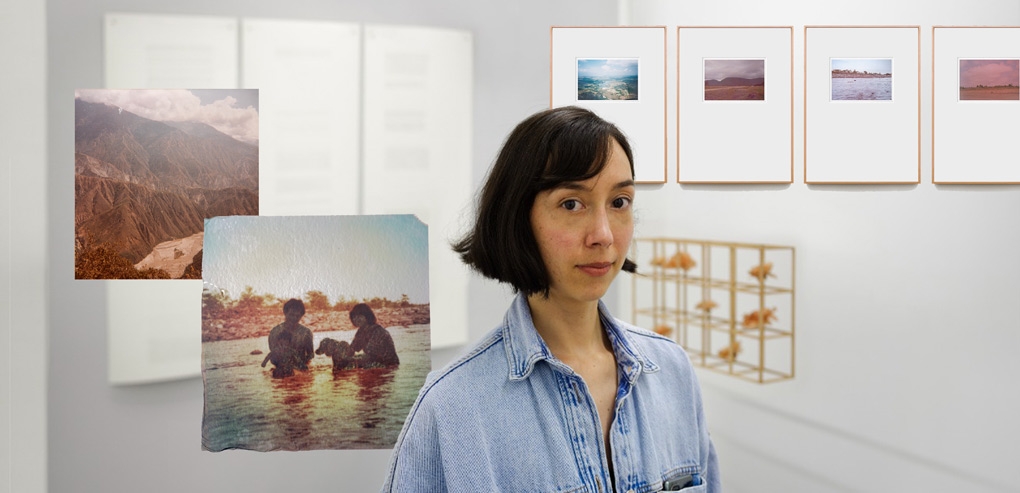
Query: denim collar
(524, 347)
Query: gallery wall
(906, 318)
(906, 325)
(23, 246)
(106, 438)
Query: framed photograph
(315, 330)
(735, 85)
(862, 107)
(619, 73)
(975, 104)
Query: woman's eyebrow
(576, 185)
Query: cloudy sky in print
(870, 65)
(355, 257)
(231, 111)
(989, 73)
(607, 67)
(716, 69)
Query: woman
(372, 339)
(561, 396)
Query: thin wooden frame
(704, 149)
(972, 141)
(862, 142)
(642, 120)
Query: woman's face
(583, 230)
(359, 321)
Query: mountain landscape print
(734, 80)
(149, 167)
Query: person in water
(290, 343)
(372, 340)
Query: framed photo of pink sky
(975, 104)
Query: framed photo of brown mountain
(862, 105)
(150, 166)
(975, 104)
(735, 85)
(620, 74)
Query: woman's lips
(596, 269)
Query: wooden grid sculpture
(730, 305)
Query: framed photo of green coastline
(975, 104)
(619, 72)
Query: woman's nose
(599, 231)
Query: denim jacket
(509, 416)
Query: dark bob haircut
(363, 310)
(294, 304)
(546, 150)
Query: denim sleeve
(416, 464)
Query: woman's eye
(621, 202)
(570, 205)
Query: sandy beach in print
(861, 79)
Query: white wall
(147, 437)
(907, 318)
(23, 245)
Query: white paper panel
(417, 149)
(309, 78)
(154, 330)
(170, 52)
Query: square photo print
(315, 330)
(989, 80)
(734, 79)
(861, 79)
(607, 79)
(149, 167)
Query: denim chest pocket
(701, 488)
(686, 480)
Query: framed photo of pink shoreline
(862, 139)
